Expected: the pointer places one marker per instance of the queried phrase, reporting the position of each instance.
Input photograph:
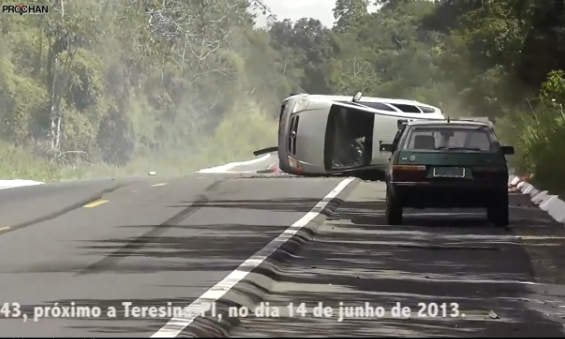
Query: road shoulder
(490, 273)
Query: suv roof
(450, 122)
(387, 101)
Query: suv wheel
(393, 209)
(497, 210)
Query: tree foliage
(503, 59)
(120, 80)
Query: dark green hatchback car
(441, 163)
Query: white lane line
(203, 304)
(227, 167)
(13, 183)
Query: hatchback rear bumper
(446, 194)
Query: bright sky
(296, 9)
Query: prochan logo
(22, 9)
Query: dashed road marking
(203, 304)
(4, 228)
(95, 203)
(159, 184)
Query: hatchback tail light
(408, 172)
(487, 173)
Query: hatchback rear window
(450, 138)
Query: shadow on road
(292, 205)
(355, 257)
(207, 247)
(434, 257)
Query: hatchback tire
(393, 209)
(497, 210)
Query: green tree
(347, 13)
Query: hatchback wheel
(497, 210)
(393, 209)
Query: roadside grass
(238, 135)
(20, 163)
(242, 131)
(537, 138)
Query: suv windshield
(471, 138)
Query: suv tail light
(408, 172)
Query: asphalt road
(504, 281)
(149, 242)
(158, 241)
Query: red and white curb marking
(550, 203)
